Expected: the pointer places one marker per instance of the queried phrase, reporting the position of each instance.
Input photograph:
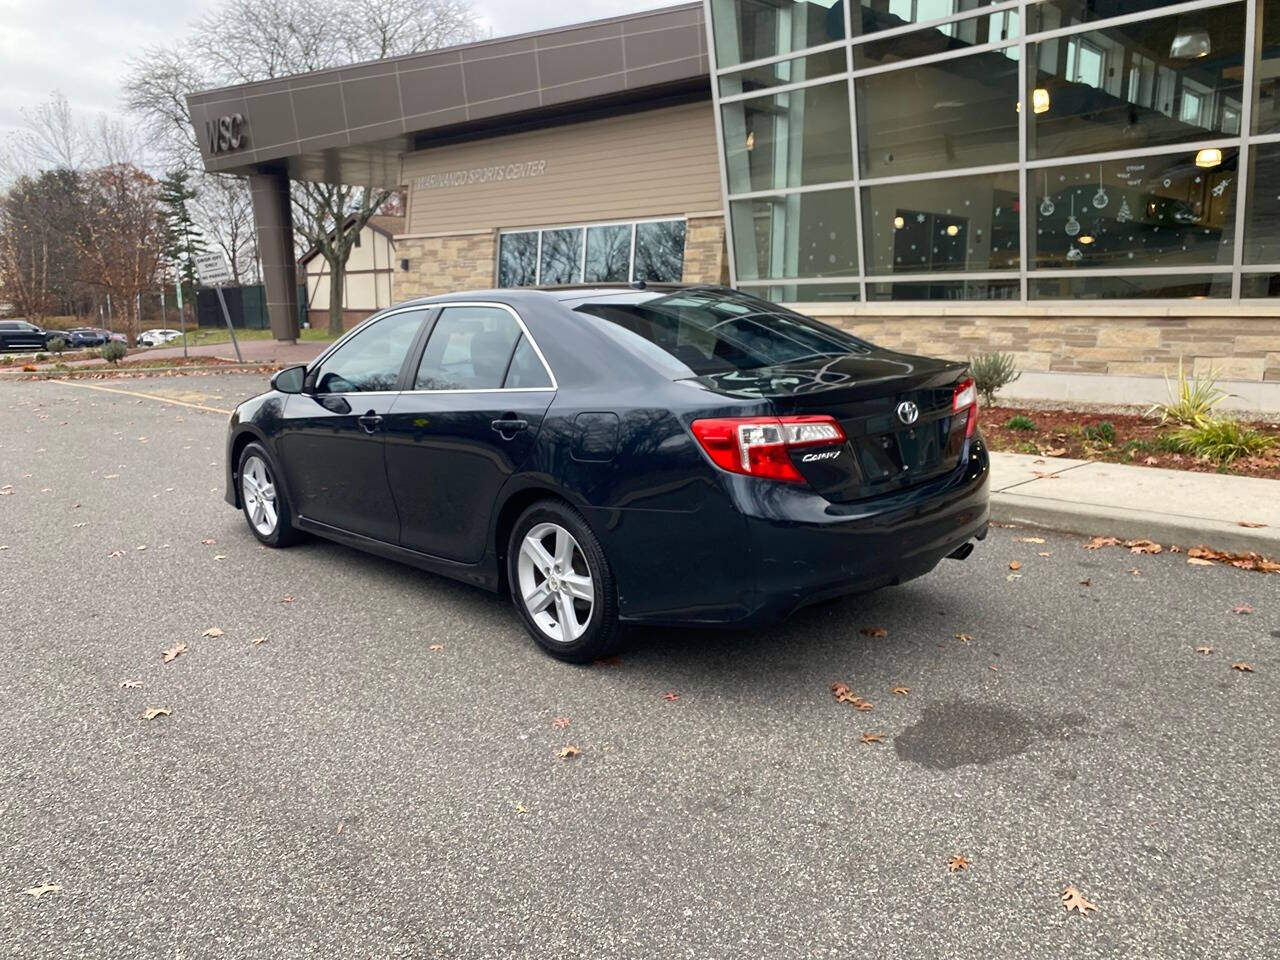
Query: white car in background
(158, 337)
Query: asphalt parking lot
(380, 777)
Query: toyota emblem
(908, 412)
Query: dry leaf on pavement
(212, 632)
(1097, 542)
(436, 647)
(958, 862)
(1242, 667)
(560, 722)
(1073, 899)
(1015, 565)
(1029, 539)
(671, 695)
(569, 752)
(1143, 546)
(1054, 452)
(875, 632)
(116, 553)
(154, 712)
(1251, 525)
(1242, 609)
(1044, 553)
(258, 641)
(869, 738)
(208, 541)
(1204, 650)
(172, 653)
(41, 890)
(287, 598)
(1200, 562)
(130, 684)
(964, 637)
(900, 691)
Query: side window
(469, 349)
(370, 360)
(526, 369)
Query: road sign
(213, 269)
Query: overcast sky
(80, 46)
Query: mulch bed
(1063, 433)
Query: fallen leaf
(1015, 565)
(1029, 539)
(993, 668)
(1013, 576)
(1044, 553)
(142, 547)
(116, 553)
(1055, 452)
(212, 632)
(1136, 572)
(111, 476)
(1200, 562)
(1042, 475)
(864, 706)
(436, 647)
(172, 653)
(1097, 542)
(671, 695)
(900, 691)
(958, 862)
(520, 809)
(156, 712)
(208, 541)
(130, 684)
(1143, 546)
(1086, 583)
(287, 598)
(341, 825)
(258, 641)
(1151, 461)
(963, 637)
(1242, 667)
(77, 526)
(867, 739)
(1073, 899)
(560, 722)
(219, 557)
(875, 632)
(1251, 525)
(1243, 609)
(568, 753)
(41, 890)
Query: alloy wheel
(555, 582)
(259, 491)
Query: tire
(264, 504)
(540, 589)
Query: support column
(273, 217)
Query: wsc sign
(225, 134)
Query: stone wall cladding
(706, 260)
(445, 264)
(1243, 347)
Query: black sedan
(21, 335)
(619, 455)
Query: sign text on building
(225, 134)
(461, 178)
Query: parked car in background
(614, 455)
(21, 335)
(83, 336)
(158, 337)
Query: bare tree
(276, 38)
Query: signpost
(214, 272)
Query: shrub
(41, 357)
(1168, 443)
(1192, 399)
(6, 361)
(114, 352)
(57, 345)
(1222, 441)
(990, 372)
(1020, 422)
(1103, 434)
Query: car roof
(515, 295)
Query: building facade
(367, 280)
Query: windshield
(714, 331)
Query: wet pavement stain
(949, 735)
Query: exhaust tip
(961, 552)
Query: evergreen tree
(181, 241)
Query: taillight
(966, 396)
(759, 446)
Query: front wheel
(562, 584)
(266, 508)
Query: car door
(468, 420)
(332, 436)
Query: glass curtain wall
(1000, 149)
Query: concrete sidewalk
(1167, 506)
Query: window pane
(942, 226)
(944, 38)
(881, 15)
(798, 235)
(1167, 80)
(372, 358)
(1266, 115)
(747, 30)
(957, 113)
(517, 259)
(789, 140)
(660, 251)
(1262, 221)
(806, 292)
(1178, 286)
(1148, 212)
(469, 349)
(526, 371)
(561, 256)
(608, 254)
(783, 72)
(1052, 14)
(1260, 285)
(946, 290)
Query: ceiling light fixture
(1209, 157)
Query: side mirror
(290, 380)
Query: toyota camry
(619, 455)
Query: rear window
(711, 332)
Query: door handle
(370, 422)
(508, 427)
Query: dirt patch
(1132, 439)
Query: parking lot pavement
(344, 789)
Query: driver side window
(371, 360)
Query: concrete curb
(1127, 524)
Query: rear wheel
(266, 508)
(561, 583)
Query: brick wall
(1240, 343)
(445, 264)
(705, 258)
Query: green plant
(114, 352)
(1168, 443)
(990, 372)
(1191, 399)
(1222, 441)
(6, 361)
(1026, 446)
(1019, 422)
(42, 356)
(57, 345)
(1103, 434)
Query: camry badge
(908, 412)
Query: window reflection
(943, 38)
(1149, 211)
(946, 290)
(798, 235)
(608, 254)
(660, 251)
(1159, 81)
(518, 259)
(747, 30)
(1266, 116)
(1262, 221)
(561, 256)
(806, 292)
(1178, 286)
(783, 72)
(887, 14)
(791, 139)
